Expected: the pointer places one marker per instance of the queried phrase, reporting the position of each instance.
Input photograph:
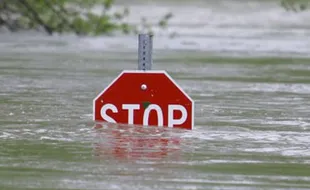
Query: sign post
(144, 97)
(145, 52)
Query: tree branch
(63, 19)
(36, 16)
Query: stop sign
(149, 98)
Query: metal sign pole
(145, 52)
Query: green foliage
(295, 5)
(59, 16)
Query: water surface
(246, 65)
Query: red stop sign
(149, 98)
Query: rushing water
(246, 65)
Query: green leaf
(108, 4)
(146, 104)
(74, 16)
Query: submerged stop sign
(145, 98)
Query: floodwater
(246, 65)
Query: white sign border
(147, 71)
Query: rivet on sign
(143, 87)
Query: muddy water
(245, 65)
